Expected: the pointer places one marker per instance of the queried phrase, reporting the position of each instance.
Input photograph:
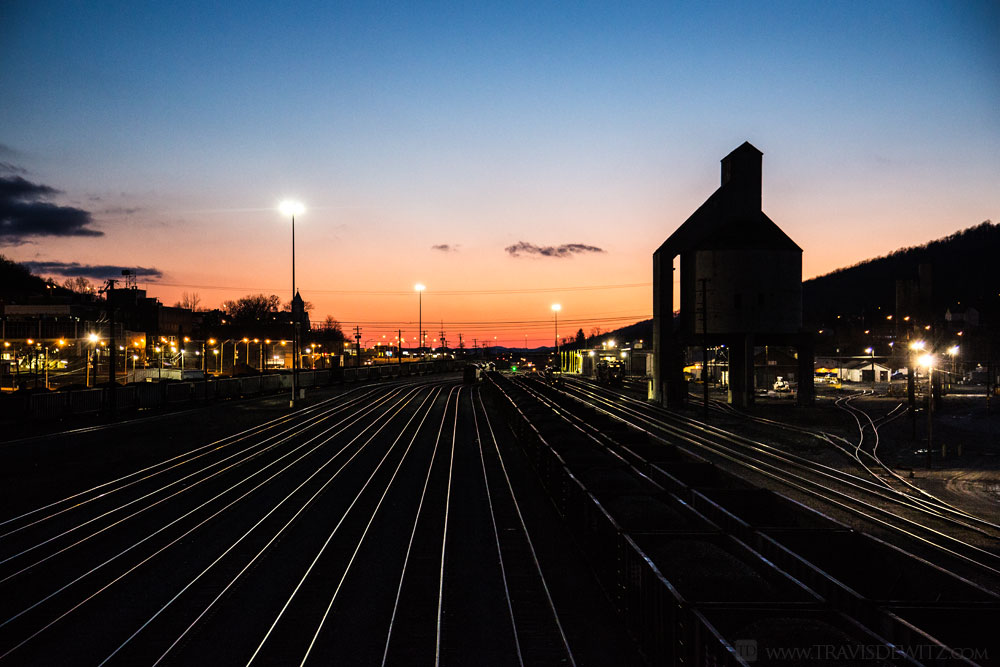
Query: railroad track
(961, 538)
(378, 527)
(864, 452)
(617, 473)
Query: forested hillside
(963, 266)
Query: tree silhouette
(252, 308)
(190, 301)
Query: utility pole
(989, 385)
(399, 343)
(872, 348)
(108, 290)
(704, 343)
(357, 338)
(444, 346)
(930, 413)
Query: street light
(952, 352)
(927, 360)
(292, 208)
(555, 313)
(871, 351)
(420, 313)
(93, 338)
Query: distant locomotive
(610, 372)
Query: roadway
(392, 523)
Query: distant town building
(962, 315)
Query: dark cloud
(7, 151)
(22, 215)
(74, 269)
(445, 247)
(565, 250)
(15, 187)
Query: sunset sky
(507, 155)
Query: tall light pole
(871, 351)
(911, 384)
(927, 360)
(555, 313)
(291, 208)
(93, 338)
(420, 315)
(952, 352)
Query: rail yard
(503, 520)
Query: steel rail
(444, 536)
(759, 466)
(929, 505)
(301, 509)
(413, 532)
(294, 430)
(524, 531)
(172, 542)
(220, 443)
(928, 498)
(386, 419)
(496, 531)
(374, 513)
(932, 503)
(178, 493)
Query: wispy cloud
(120, 210)
(74, 269)
(445, 247)
(8, 168)
(24, 215)
(8, 152)
(561, 251)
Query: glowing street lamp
(291, 209)
(556, 307)
(952, 352)
(93, 338)
(871, 351)
(927, 361)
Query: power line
(530, 290)
(393, 324)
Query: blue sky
(179, 125)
